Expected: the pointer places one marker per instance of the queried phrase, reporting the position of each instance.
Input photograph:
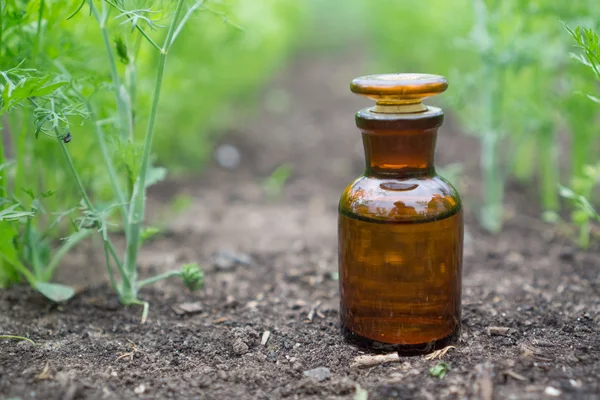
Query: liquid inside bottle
(400, 236)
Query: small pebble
(272, 356)
(498, 330)
(228, 156)
(265, 338)
(225, 260)
(320, 374)
(222, 375)
(140, 389)
(550, 391)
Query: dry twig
(129, 354)
(370, 361)
(439, 353)
(313, 310)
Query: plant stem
(68, 245)
(111, 274)
(21, 269)
(524, 164)
(112, 175)
(3, 181)
(548, 170)
(75, 175)
(493, 186)
(38, 37)
(583, 240)
(160, 277)
(138, 198)
(493, 180)
(123, 105)
(17, 338)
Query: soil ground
(530, 300)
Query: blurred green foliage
(224, 54)
(513, 83)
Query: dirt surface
(530, 303)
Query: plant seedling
(439, 370)
(273, 185)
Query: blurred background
(258, 92)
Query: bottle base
(402, 349)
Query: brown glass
(400, 240)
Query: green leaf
(593, 98)
(148, 233)
(11, 214)
(155, 175)
(55, 291)
(46, 90)
(192, 275)
(579, 217)
(29, 193)
(48, 193)
(439, 370)
(566, 192)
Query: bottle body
(400, 241)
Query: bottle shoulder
(400, 200)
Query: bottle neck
(400, 154)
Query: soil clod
(498, 331)
(370, 361)
(320, 374)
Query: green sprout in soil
(439, 370)
(273, 185)
(17, 338)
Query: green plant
(583, 213)
(511, 83)
(584, 182)
(17, 338)
(273, 185)
(439, 370)
(131, 203)
(24, 248)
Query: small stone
(320, 374)
(222, 375)
(272, 356)
(225, 260)
(228, 156)
(239, 347)
(550, 391)
(188, 308)
(265, 337)
(141, 389)
(297, 366)
(498, 330)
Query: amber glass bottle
(400, 225)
